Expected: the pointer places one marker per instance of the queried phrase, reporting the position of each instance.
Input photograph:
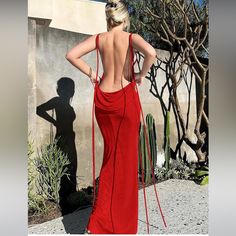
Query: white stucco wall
(81, 16)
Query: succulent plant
(167, 139)
(202, 175)
(177, 170)
(143, 148)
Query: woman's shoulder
(102, 33)
(136, 36)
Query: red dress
(115, 208)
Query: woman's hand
(93, 78)
(138, 78)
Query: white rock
(160, 159)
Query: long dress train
(115, 208)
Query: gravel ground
(184, 205)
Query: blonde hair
(117, 13)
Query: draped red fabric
(115, 206)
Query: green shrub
(51, 165)
(36, 203)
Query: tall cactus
(143, 155)
(167, 143)
(143, 150)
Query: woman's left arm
(75, 54)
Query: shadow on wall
(65, 115)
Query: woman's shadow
(65, 115)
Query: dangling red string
(144, 192)
(93, 136)
(140, 159)
(149, 155)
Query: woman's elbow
(153, 53)
(68, 56)
(71, 57)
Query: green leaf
(205, 167)
(205, 180)
(199, 173)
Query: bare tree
(183, 27)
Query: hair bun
(112, 3)
(117, 13)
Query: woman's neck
(117, 28)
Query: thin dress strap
(131, 56)
(140, 159)
(97, 46)
(93, 135)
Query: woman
(117, 111)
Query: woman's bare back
(115, 55)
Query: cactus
(152, 137)
(143, 155)
(143, 150)
(167, 144)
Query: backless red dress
(118, 113)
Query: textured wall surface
(81, 16)
(47, 64)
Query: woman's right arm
(147, 50)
